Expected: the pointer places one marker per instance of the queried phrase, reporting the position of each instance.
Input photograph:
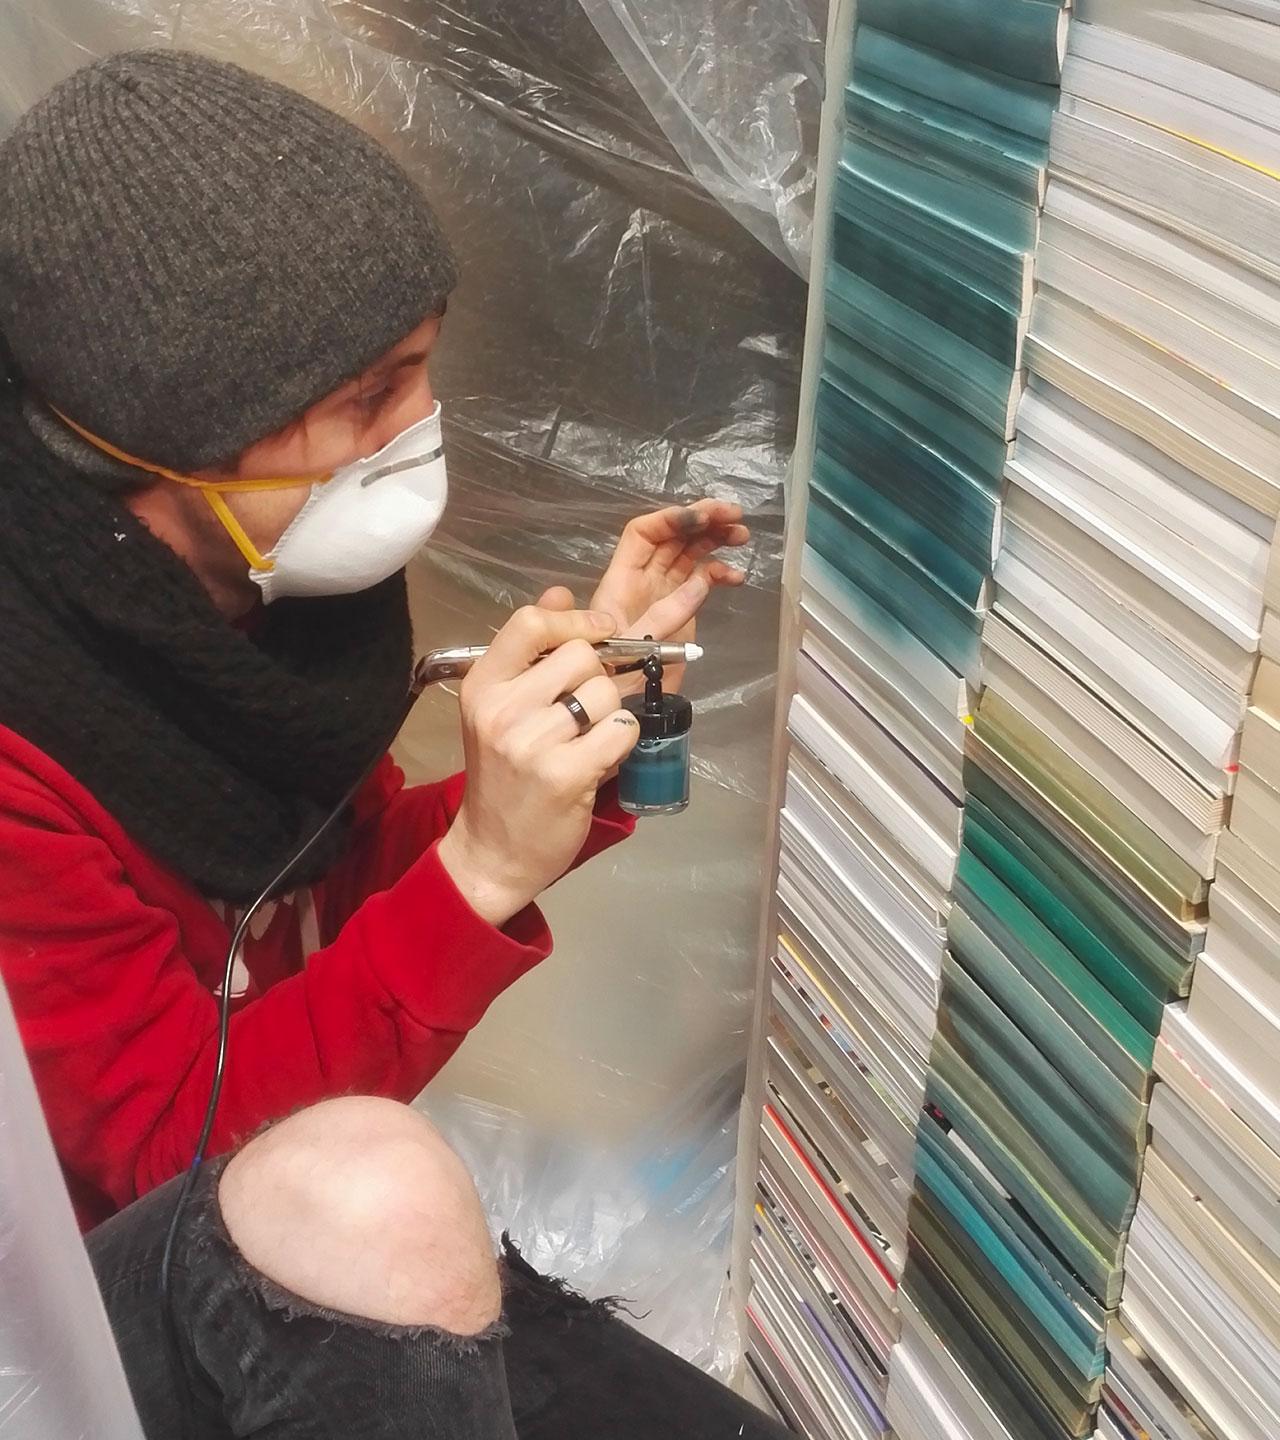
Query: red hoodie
(365, 983)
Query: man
(218, 447)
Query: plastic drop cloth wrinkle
(628, 186)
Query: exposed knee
(360, 1206)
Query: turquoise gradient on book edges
(1017, 38)
(927, 288)
(1026, 1160)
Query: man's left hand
(661, 573)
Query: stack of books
(1195, 1351)
(1171, 127)
(1034, 772)
(1117, 662)
(937, 193)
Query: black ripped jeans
(253, 1360)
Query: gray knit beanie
(191, 255)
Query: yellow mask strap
(211, 489)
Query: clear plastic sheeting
(741, 120)
(622, 339)
(60, 1376)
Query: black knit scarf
(219, 749)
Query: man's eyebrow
(418, 357)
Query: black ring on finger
(577, 709)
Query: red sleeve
(121, 1032)
(395, 825)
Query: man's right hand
(531, 778)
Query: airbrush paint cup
(654, 778)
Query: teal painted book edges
(928, 418)
(885, 630)
(978, 944)
(913, 280)
(1079, 1335)
(1018, 38)
(968, 376)
(986, 218)
(1084, 1306)
(1084, 1004)
(1059, 1157)
(1005, 1332)
(1043, 1187)
(1014, 114)
(912, 100)
(1002, 277)
(892, 117)
(919, 543)
(939, 621)
(957, 517)
(1019, 1406)
(1073, 904)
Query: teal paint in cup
(654, 778)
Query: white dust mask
(363, 523)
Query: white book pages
(1244, 938)
(1193, 279)
(1177, 159)
(926, 825)
(1218, 357)
(850, 1073)
(851, 617)
(1222, 1072)
(872, 1191)
(1168, 178)
(1146, 1392)
(1173, 1307)
(864, 937)
(1222, 35)
(813, 791)
(935, 741)
(1200, 1370)
(789, 1180)
(1184, 532)
(802, 1289)
(1265, 695)
(918, 793)
(1176, 1070)
(1270, 639)
(791, 1397)
(1173, 92)
(1271, 586)
(1028, 666)
(1189, 410)
(1202, 492)
(1255, 812)
(1238, 1197)
(1200, 736)
(1240, 915)
(892, 986)
(1228, 599)
(1192, 845)
(867, 879)
(1228, 1277)
(877, 1041)
(871, 838)
(1080, 566)
(1261, 873)
(789, 1353)
(1237, 1020)
(1260, 752)
(855, 1293)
